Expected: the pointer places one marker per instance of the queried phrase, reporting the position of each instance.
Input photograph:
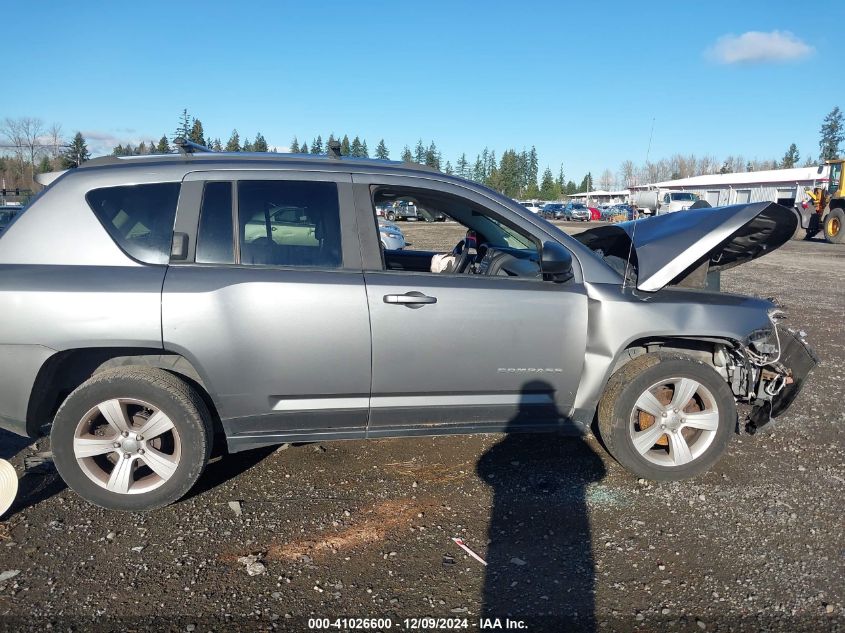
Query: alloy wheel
(674, 422)
(127, 446)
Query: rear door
(270, 305)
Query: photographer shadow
(540, 566)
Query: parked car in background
(553, 210)
(577, 211)
(391, 236)
(246, 299)
(531, 205)
(410, 210)
(7, 214)
(616, 211)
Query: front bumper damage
(771, 381)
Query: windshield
(689, 197)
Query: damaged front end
(769, 370)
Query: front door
(468, 352)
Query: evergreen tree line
(30, 147)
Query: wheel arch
(704, 348)
(66, 370)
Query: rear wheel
(667, 417)
(834, 226)
(132, 439)
(391, 216)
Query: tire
(178, 444)
(391, 217)
(834, 226)
(621, 421)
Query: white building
(600, 196)
(784, 186)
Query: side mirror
(556, 262)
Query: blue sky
(580, 81)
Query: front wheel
(834, 226)
(391, 216)
(667, 417)
(132, 439)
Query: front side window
(138, 217)
(289, 223)
(474, 241)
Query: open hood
(667, 249)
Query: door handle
(411, 299)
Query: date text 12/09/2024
(425, 623)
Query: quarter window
(289, 223)
(138, 217)
(215, 236)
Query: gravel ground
(363, 529)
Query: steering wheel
(462, 257)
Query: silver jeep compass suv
(151, 304)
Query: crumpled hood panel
(671, 246)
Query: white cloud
(756, 47)
(103, 142)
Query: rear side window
(215, 237)
(139, 218)
(289, 223)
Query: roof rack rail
(189, 147)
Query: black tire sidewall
(188, 421)
(623, 447)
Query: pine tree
(294, 146)
(142, 149)
(509, 182)
(234, 142)
(381, 151)
(448, 168)
(197, 135)
(163, 146)
(407, 157)
(44, 166)
(571, 188)
(365, 151)
(76, 152)
(419, 153)
(217, 146)
(549, 189)
(533, 167)
(479, 173)
(317, 145)
(462, 167)
(432, 156)
(345, 147)
(561, 180)
(355, 148)
(832, 135)
(259, 145)
(247, 146)
(183, 128)
(586, 184)
(791, 158)
(304, 148)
